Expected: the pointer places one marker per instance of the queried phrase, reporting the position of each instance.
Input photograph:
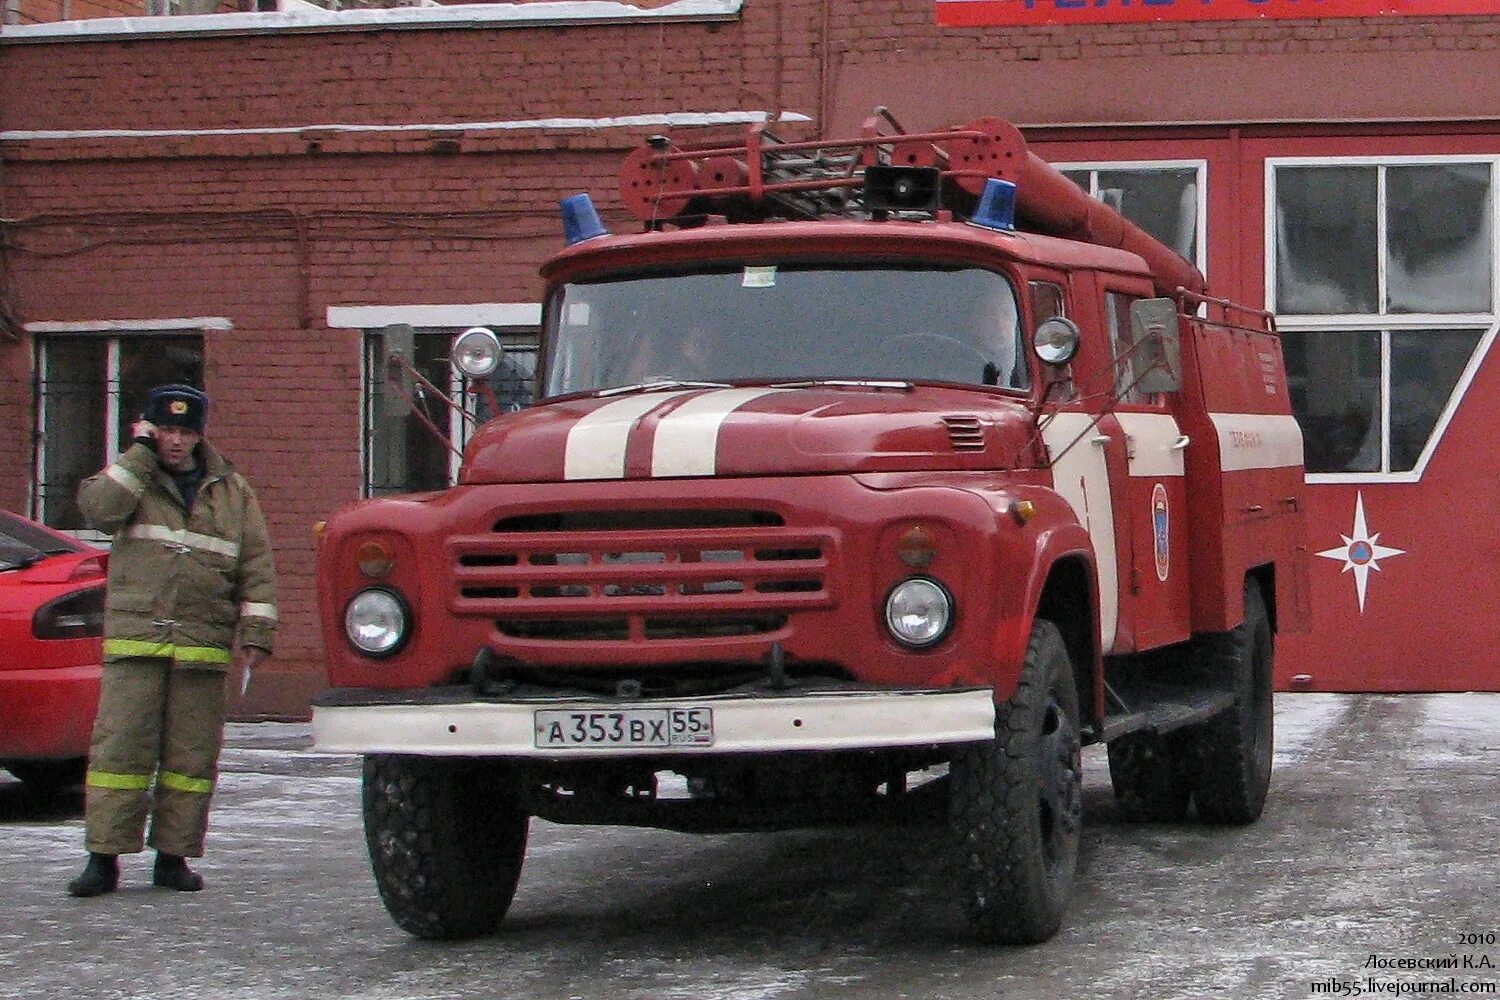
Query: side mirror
(1157, 350)
(398, 344)
(1056, 340)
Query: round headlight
(919, 612)
(376, 622)
(476, 352)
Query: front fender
(1056, 539)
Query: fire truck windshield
(766, 322)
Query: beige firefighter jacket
(182, 586)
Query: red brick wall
(356, 218)
(1369, 69)
(39, 11)
(396, 76)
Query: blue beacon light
(997, 206)
(580, 219)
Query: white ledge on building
(669, 119)
(501, 314)
(309, 18)
(129, 325)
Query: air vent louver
(965, 433)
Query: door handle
(1101, 440)
(1181, 443)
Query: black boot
(100, 875)
(171, 872)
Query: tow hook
(776, 668)
(491, 675)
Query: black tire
(446, 841)
(1016, 803)
(1232, 752)
(1151, 777)
(49, 777)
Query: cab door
(1086, 447)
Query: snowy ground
(1380, 842)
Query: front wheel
(446, 840)
(1232, 751)
(1016, 803)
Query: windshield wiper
(845, 383)
(660, 385)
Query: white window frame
(1387, 323)
(111, 331)
(1200, 222)
(506, 319)
(301, 16)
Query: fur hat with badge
(177, 405)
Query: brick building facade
(40, 11)
(252, 198)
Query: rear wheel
(1150, 777)
(1232, 751)
(446, 841)
(49, 777)
(1016, 803)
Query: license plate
(625, 727)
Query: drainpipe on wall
(779, 64)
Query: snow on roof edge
(672, 119)
(563, 13)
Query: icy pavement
(1377, 855)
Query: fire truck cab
(870, 482)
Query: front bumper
(842, 718)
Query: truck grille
(640, 576)
(618, 629)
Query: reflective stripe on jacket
(182, 585)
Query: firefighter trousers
(155, 750)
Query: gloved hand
(144, 432)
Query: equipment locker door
(1155, 492)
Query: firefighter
(190, 591)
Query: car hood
(753, 431)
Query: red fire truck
(871, 481)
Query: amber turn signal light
(375, 559)
(917, 548)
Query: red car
(51, 646)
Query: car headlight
(377, 622)
(919, 612)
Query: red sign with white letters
(974, 13)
